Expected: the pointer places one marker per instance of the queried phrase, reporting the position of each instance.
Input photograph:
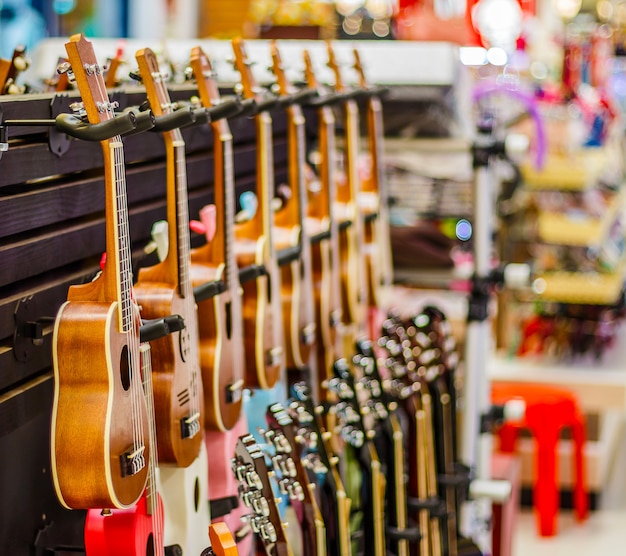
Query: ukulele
(322, 229)
(184, 490)
(10, 69)
(165, 289)
(292, 235)
(297, 442)
(135, 531)
(334, 503)
(373, 199)
(220, 317)
(355, 412)
(99, 428)
(254, 247)
(257, 493)
(350, 220)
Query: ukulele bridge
(234, 391)
(132, 462)
(190, 426)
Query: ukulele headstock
(154, 81)
(358, 68)
(205, 77)
(256, 491)
(333, 64)
(243, 65)
(284, 85)
(89, 79)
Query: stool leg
(581, 501)
(546, 497)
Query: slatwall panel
(52, 236)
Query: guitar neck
(224, 188)
(118, 269)
(265, 177)
(296, 142)
(375, 135)
(177, 212)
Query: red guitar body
(129, 532)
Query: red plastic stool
(548, 410)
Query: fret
(227, 213)
(122, 249)
(182, 218)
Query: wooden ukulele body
(92, 410)
(220, 337)
(173, 363)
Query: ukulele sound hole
(125, 370)
(150, 546)
(229, 319)
(196, 494)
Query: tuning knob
(66, 67)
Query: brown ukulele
(220, 317)
(256, 258)
(294, 441)
(165, 289)
(350, 220)
(373, 200)
(99, 432)
(322, 229)
(292, 236)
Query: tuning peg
(268, 532)
(260, 506)
(64, 67)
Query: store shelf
(590, 288)
(567, 172)
(579, 230)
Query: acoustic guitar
(256, 488)
(297, 442)
(390, 445)
(423, 500)
(333, 500)
(373, 200)
(354, 292)
(324, 233)
(135, 531)
(99, 428)
(356, 426)
(165, 289)
(220, 317)
(292, 236)
(255, 250)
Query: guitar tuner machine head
(285, 465)
(291, 488)
(313, 462)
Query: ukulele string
(125, 278)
